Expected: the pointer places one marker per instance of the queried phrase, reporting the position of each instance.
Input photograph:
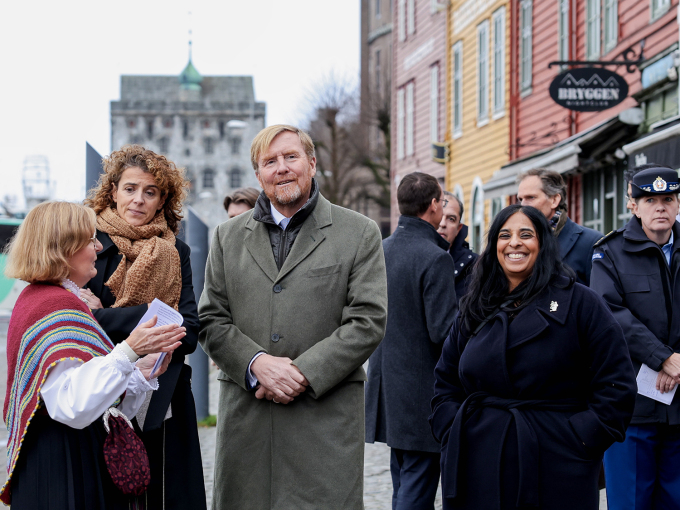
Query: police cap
(655, 181)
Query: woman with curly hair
(138, 202)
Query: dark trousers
(415, 478)
(643, 472)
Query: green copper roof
(190, 77)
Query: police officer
(452, 229)
(636, 269)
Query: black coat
(576, 248)
(525, 409)
(463, 260)
(183, 466)
(421, 304)
(631, 274)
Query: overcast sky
(62, 61)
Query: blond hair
(264, 139)
(49, 236)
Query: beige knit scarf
(150, 267)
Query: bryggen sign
(588, 89)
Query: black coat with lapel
(421, 307)
(183, 483)
(631, 273)
(463, 260)
(526, 408)
(576, 248)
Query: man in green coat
(295, 301)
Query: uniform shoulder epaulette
(611, 234)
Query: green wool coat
(326, 310)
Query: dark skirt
(62, 468)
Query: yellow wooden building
(477, 96)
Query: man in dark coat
(421, 307)
(546, 191)
(636, 269)
(455, 232)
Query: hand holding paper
(646, 382)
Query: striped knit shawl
(48, 324)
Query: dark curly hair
(489, 287)
(169, 179)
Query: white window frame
(410, 120)
(611, 24)
(477, 213)
(401, 116)
(658, 8)
(401, 21)
(483, 73)
(563, 29)
(499, 63)
(457, 90)
(434, 103)
(593, 30)
(377, 9)
(411, 17)
(526, 46)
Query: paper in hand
(646, 383)
(166, 315)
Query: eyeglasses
(444, 202)
(94, 240)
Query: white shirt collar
(279, 218)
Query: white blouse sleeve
(77, 393)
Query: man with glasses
(421, 306)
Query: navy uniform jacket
(463, 261)
(576, 248)
(631, 274)
(421, 304)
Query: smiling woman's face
(137, 196)
(517, 248)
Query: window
(593, 30)
(168, 123)
(526, 48)
(208, 178)
(377, 8)
(434, 103)
(163, 145)
(411, 17)
(220, 126)
(458, 89)
(477, 215)
(185, 129)
(377, 71)
(563, 30)
(131, 123)
(499, 62)
(400, 123)
(611, 24)
(659, 7)
(149, 128)
(409, 120)
(235, 178)
(208, 145)
(496, 207)
(483, 72)
(401, 20)
(236, 145)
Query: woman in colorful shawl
(138, 203)
(63, 372)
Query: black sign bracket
(626, 55)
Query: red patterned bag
(125, 454)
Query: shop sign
(588, 89)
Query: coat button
(456, 271)
(277, 288)
(469, 256)
(275, 337)
(461, 264)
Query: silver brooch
(553, 306)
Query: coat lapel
(258, 245)
(568, 237)
(309, 237)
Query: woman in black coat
(138, 205)
(534, 382)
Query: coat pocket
(323, 271)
